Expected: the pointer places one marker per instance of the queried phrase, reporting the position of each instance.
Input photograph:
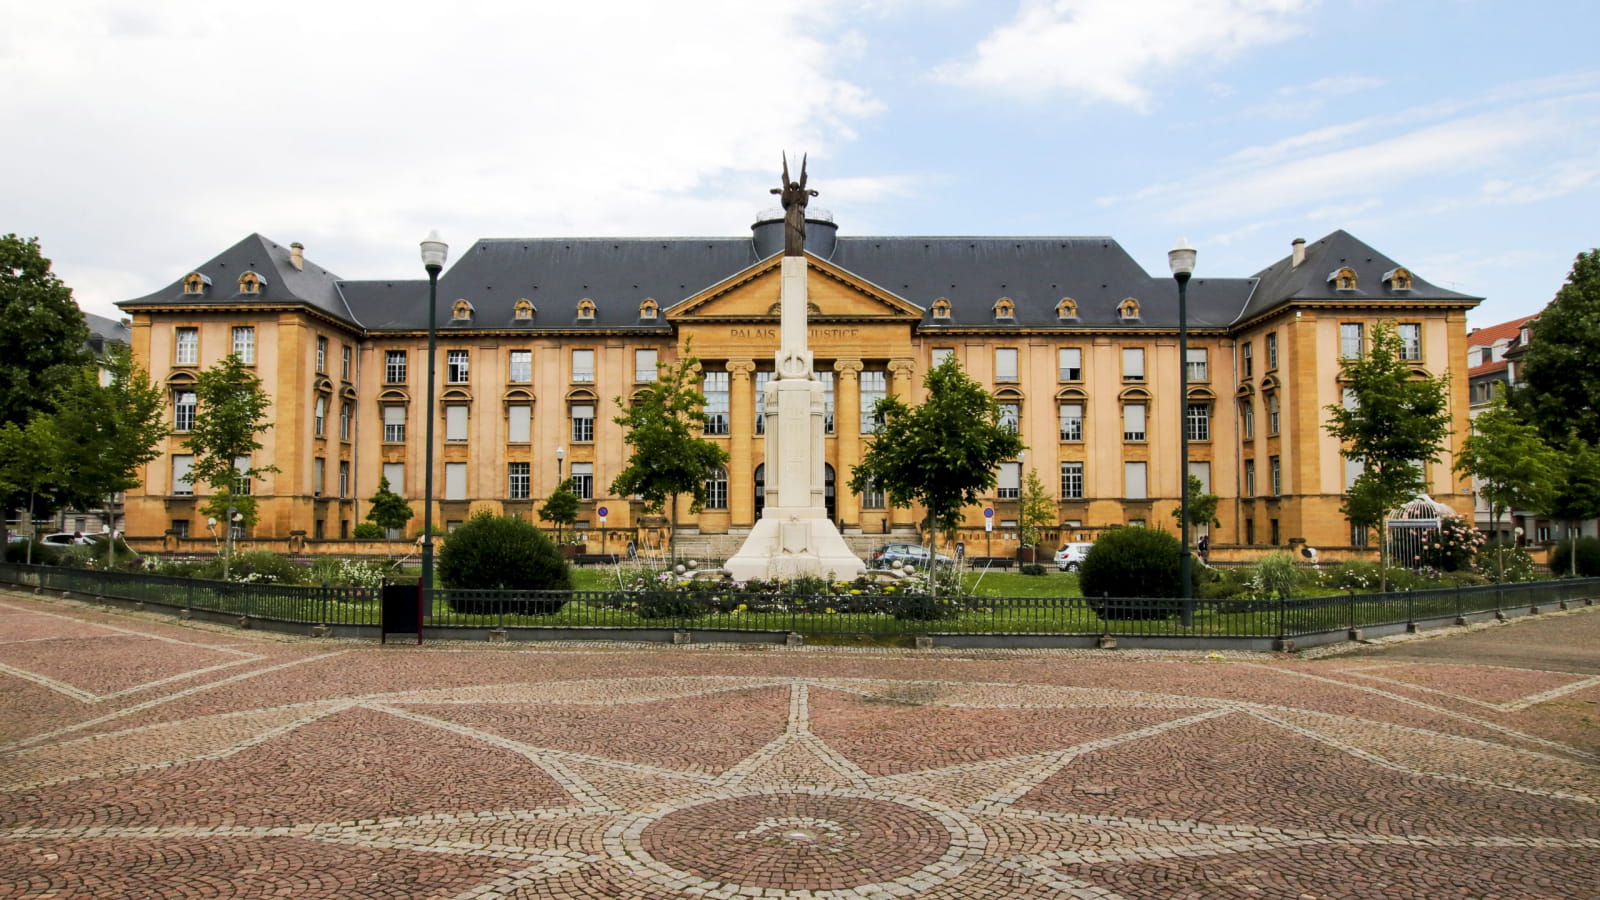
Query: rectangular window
(182, 466)
(244, 344)
(1352, 470)
(1275, 470)
(1132, 364)
(183, 405)
(455, 422)
(1249, 478)
(715, 387)
(1247, 359)
(583, 480)
(1196, 364)
(874, 387)
(1005, 364)
(1272, 351)
(1197, 421)
(583, 366)
(1134, 481)
(521, 368)
(186, 351)
(519, 481)
(1249, 531)
(456, 367)
(644, 365)
(519, 424)
(1011, 417)
(827, 398)
(1359, 535)
(872, 497)
(319, 475)
(1070, 362)
(180, 528)
(394, 424)
(1247, 419)
(940, 354)
(344, 478)
(455, 481)
(1273, 525)
(322, 354)
(344, 361)
(1072, 481)
(582, 423)
(1351, 340)
(319, 416)
(1072, 421)
(344, 421)
(395, 473)
(1010, 484)
(1133, 422)
(717, 490)
(761, 401)
(394, 366)
(1201, 470)
(1272, 414)
(1410, 340)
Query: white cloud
(1108, 49)
(1335, 86)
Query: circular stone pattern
(814, 843)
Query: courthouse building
(538, 337)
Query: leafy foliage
(42, 332)
(1451, 548)
(940, 454)
(367, 531)
(664, 423)
(502, 553)
(1588, 557)
(1510, 460)
(1132, 562)
(386, 510)
(1276, 576)
(561, 509)
(232, 408)
(1505, 562)
(1561, 392)
(1036, 511)
(1202, 506)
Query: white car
(1070, 557)
(63, 539)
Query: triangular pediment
(832, 293)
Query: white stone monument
(794, 536)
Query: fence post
(1411, 612)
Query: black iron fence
(598, 614)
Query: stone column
(903, 384)
(847, 428)
(741, 439)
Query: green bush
(502, 553)
(43, 554)
(1212, 583)
(1588, 557)
(1033, 569)
(368, 531)
(1361, 576)
(331, 571)
(255, 567)
(1132, 563)
(1276, 576)
(1515, 562)
(1451, 547)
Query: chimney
(297, 255)
(1298, 253)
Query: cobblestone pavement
(145, 758)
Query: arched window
(251, 283)
(1398, 279)
(1343, 278)
(1067, 308)
(586, 308)
(195, 283)
(523, 310)
(648, 309)
(1070, 405)
(941, 308)
(1005, 309)
(461, 310)
(1128, 309)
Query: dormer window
(523, 310)
(648, 309)
(1128, 309)
(196, 284)
(1398, 279)
(941, 308)
(461, 310)
(1067, 308)
(251, 283)
(1343, 279)
(586, 309)
(1005, 309)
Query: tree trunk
(672, 536)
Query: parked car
(1070, 557)
(63, 539)
(906, 554)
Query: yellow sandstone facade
(537, 340)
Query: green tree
(43, 337)
(1202, 506)
(1577, 495)
(1561, 383)
(29, 467)
(561, 509)
(941, 454)
(1513, 464)
(231, 409)
(387, 509)
(665, 425)
(1036, 510)
(1396, 420)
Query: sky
(1459, 137)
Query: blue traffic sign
(602, 512)
(988, 512)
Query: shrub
(1452, 547)
(1220, 584)
(1498, 555)
(1361, 576)
(1276, 576)
(1132, 563)
(255, 567)
(43, 554)
(368, 531)
(502, 553)
(331, 571)
(1033, 569)
(1588, 550)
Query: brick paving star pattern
(145, 758)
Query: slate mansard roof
(972, 273)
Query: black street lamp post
(434, 252)
(1181, 258)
